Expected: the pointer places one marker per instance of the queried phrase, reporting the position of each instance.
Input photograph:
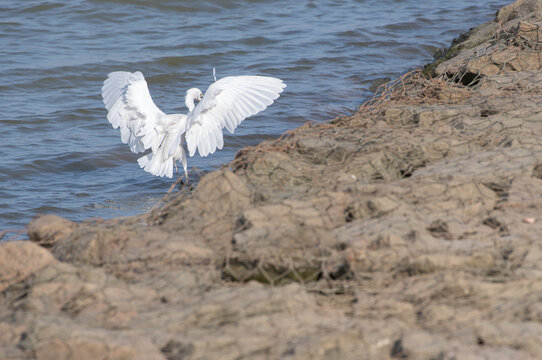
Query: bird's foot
(178, 181)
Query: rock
(61, 340)
(509, 50)
(21, 259)
(518, 9)
(47, 229)
(526, 336)
(422, 345)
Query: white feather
(130, 106)
(226, 103)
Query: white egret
(144, 126)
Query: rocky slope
(410, 230)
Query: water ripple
(59, 155)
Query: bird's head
(192, 95)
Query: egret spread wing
(130, 108)
(225, 104)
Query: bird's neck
(189, 102)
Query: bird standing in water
(143, 126)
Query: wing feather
(226, 103)
(142, 124)
(130, 108)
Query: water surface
(59, 155)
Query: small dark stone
(175, 350)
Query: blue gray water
(59, 155)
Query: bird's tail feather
(156, 166)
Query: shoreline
(407, 230)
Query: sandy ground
(410, 230)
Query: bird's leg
(179, 179)
(185, 165)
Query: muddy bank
(410, 230)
